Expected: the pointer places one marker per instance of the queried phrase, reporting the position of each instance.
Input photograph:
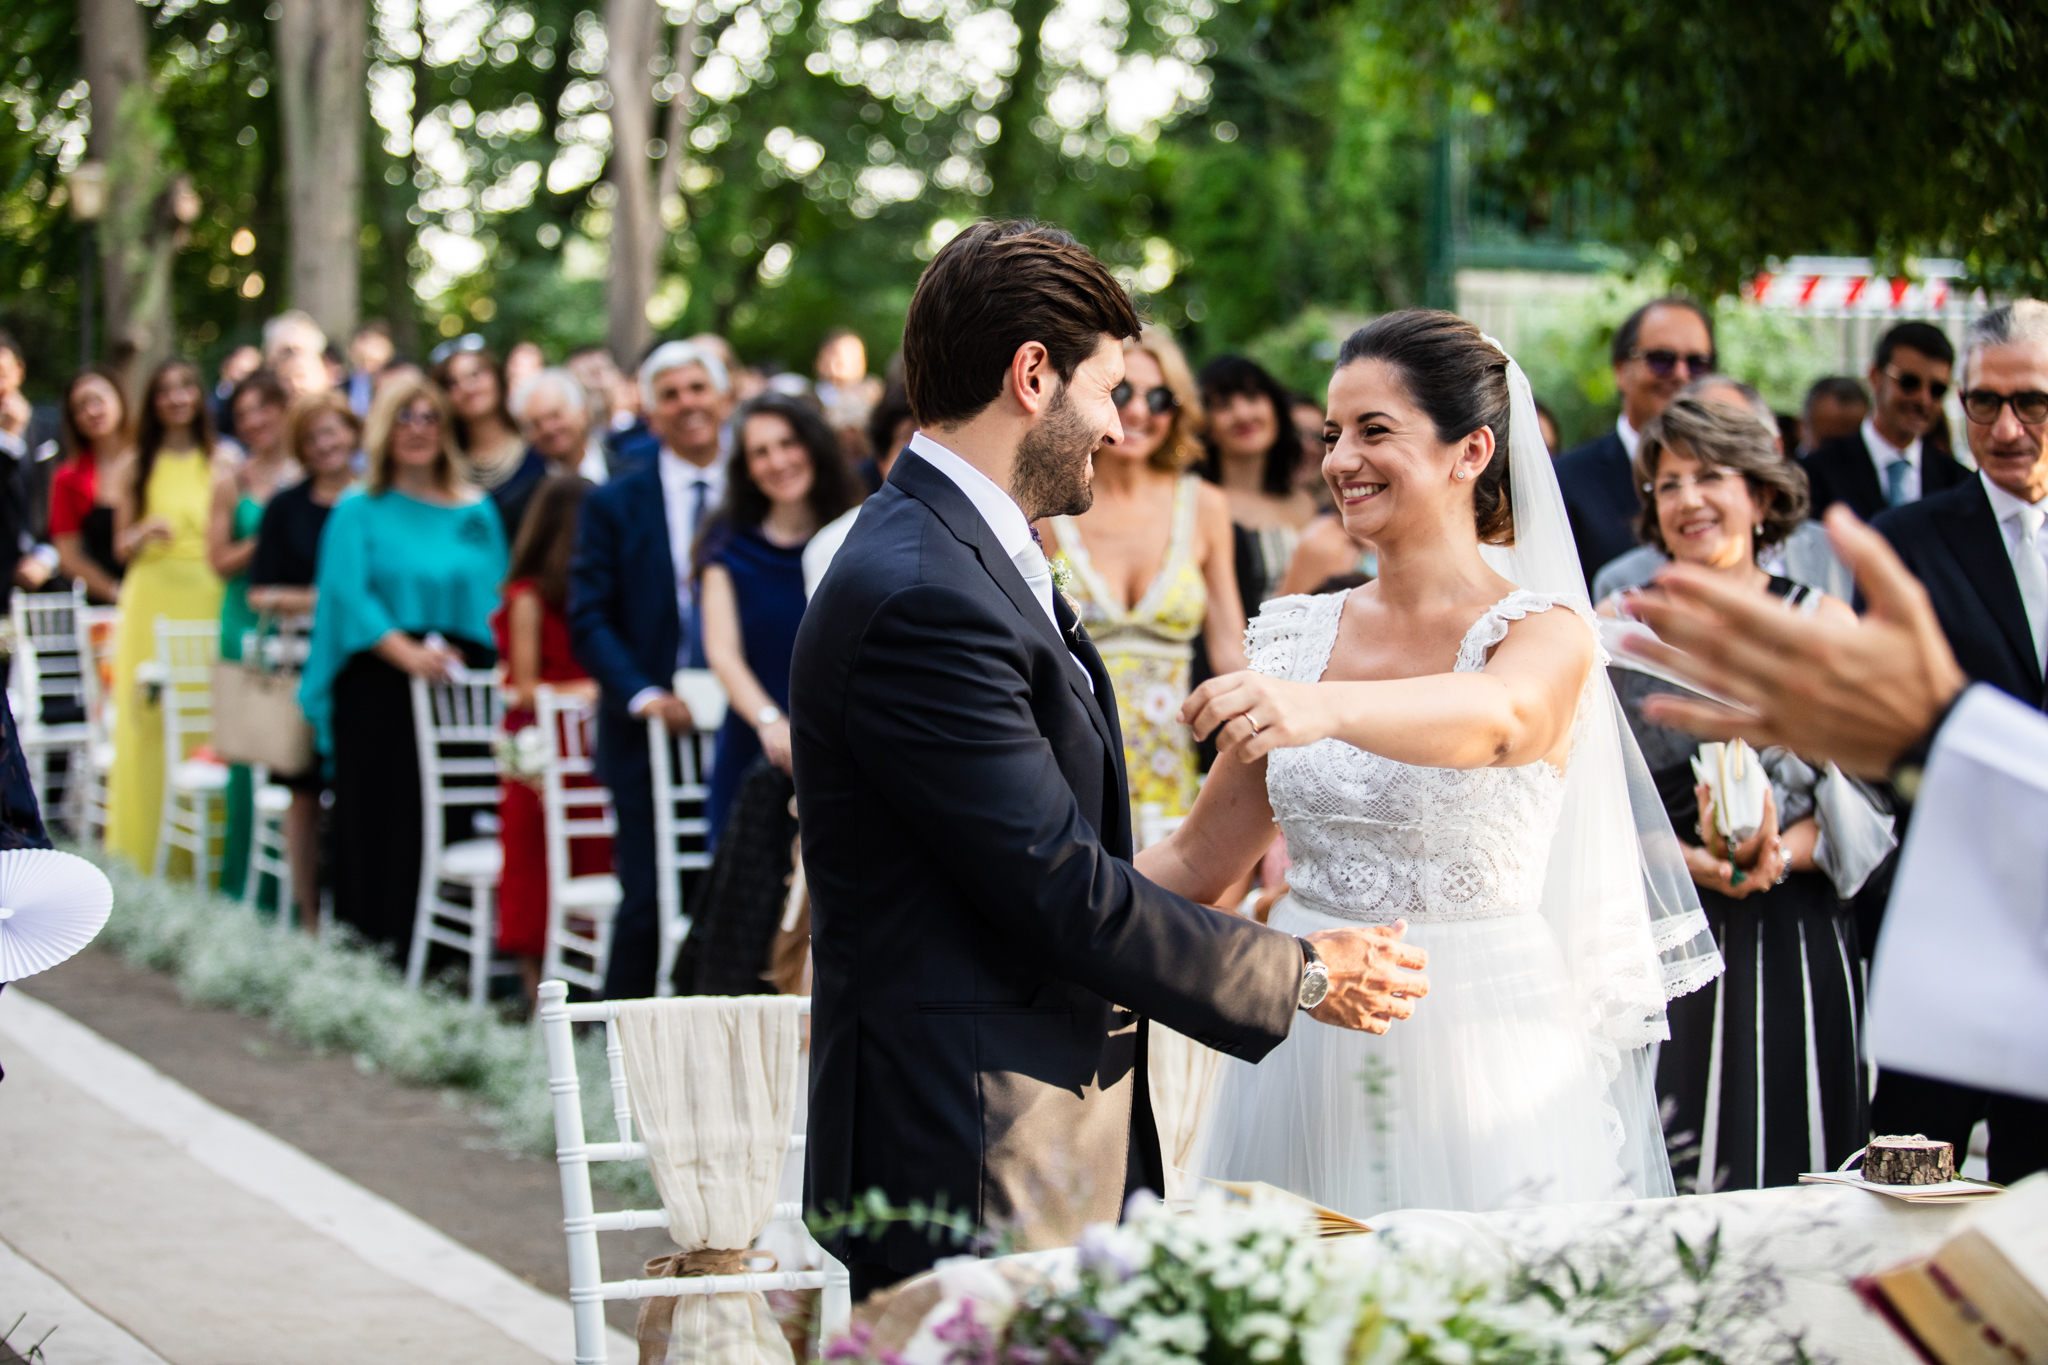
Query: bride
(1441, 749)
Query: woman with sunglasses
(1150, 568)
(408, 575)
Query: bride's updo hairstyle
(1460, 380)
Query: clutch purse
(1737, 785)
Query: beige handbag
(256, 716)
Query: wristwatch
(767, 716)
(1315, 977)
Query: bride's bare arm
(1519, 710)
(1229, 829)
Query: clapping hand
(1375, 978)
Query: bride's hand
(1251, 714)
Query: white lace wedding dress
(1494, 1093)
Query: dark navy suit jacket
(1599, 486)
(1840, 471)
(983, 948)
(624, 624)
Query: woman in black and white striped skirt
(1762, 1077)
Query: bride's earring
(1460, 474)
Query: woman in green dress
(241, 489)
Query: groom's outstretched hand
(1375, 978)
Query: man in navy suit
(1658, 350)
(1886, 462)
(632, 620)
(1980, 551)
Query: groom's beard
(1051, 475)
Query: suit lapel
(1860, 488)
(1974, 539)
(915, 476)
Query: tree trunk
(138, 231)
(1013, 163)
(321, 53)
(630, 31)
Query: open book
(1982, 1298)
(1328, 1222)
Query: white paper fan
(51, 905)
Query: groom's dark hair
(992, 288)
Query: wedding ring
(1249, 721)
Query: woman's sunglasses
(1662, 362)
(1158, 399)
(417, 417)
(1909, 384)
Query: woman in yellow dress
(1151, 568)
(160, 534)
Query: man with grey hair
(553, 412)
(295, 350)
(633, 619)
(1804, 556)
(1980, 551)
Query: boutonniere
(1063, 578)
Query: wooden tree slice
(1915, 1160)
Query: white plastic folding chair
(195, 789)
(454, 723)
(589, 1291)
(573, 807)
(680, 764)
(52, 674)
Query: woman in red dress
(532, 635)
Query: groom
(985, 955)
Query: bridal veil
(1617, 894)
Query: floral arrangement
(1230, 1283)
(521, 756)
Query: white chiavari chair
(589, 1291)
(580, 909)
(194, 812)
(454, 723)
(53, 686)
(680, 767)
(269, 851)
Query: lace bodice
(1374, 840)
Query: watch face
(1314, 986)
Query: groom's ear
(1032, 381)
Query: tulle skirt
(1490, 1097)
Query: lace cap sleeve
(1490, 629)
(1279, 639)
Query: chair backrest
(588, 1289)
(185, 654)
(573, 805)
(454, 725)
(52, 670)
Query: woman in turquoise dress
(408, 576)
(241, 489)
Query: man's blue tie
(1895, 481)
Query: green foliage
(1733, 132)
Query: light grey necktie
(1031, 563)
(2032, 576)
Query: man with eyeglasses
(1980, 551)
(1890, 460)
(1658, 349)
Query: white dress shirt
(680, 482)
(2006, 508)
(1883, 455)
(1004, 517)
(1630, 437)
(1969, 891)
